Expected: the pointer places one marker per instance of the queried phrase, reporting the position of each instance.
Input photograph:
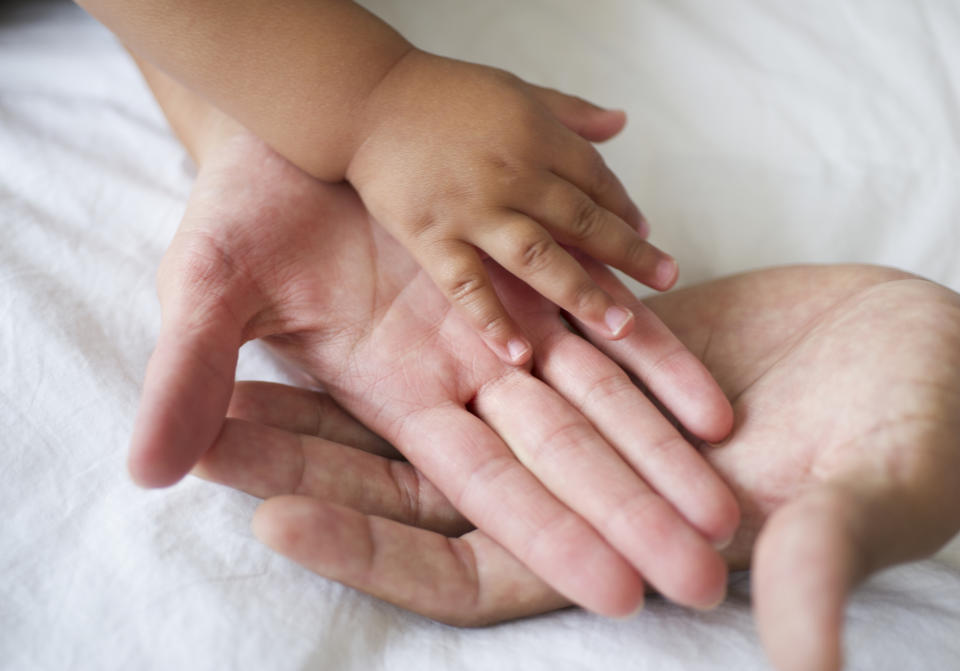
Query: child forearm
(197, 123)
(296, 72)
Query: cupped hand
(574, 470)
(844, 459)
(459, 159)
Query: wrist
(378, 107)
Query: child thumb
(587, 120)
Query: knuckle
(645, 510)
(408, 491)
(327, 415)
(586, 221)
(493, 323)
(638, 253)
(562, 444)
(534, 254)
(585, 295)
(199, 262)
(598, 175)
(421, 226)
(465, 285)
(201, 281)
(468, 289)
(603, 390)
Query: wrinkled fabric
(761, 132)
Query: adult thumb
(805, 564)
(814, 550)
(189, 378)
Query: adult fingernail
(634, 613)
(617, 319)
(517, 348)
(722, 545)
(716, 602)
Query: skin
(458, 161)
(844, 460)
(844, 457)
(562, 464)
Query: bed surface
(761, 132)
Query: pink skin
(570, 467)
(844, 460)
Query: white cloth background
(761, 132)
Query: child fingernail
(666, 272)
(517, 348)
(617, 319)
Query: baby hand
(458, 159)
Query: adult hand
(574, 471)
(844, 459)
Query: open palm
(572, 469)
(844, 460)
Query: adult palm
(572, 470)
(845, 383)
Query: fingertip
(263, 525)
(665, 273)
(707, 582)
(152, 479)
(626, 600)
(632, 614)
(602, 124)
(696, 400)
(713, 603)
(617, 118)
(722, 519)
(714, 419)
(280, 522)
(697, 576)
(150, 468)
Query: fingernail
(666, 271)
(517, 349)
(722, 545)
(617, 319)
(714, 604)
(634, 613)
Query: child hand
(457, 159)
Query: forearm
(297, 73)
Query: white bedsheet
(761, 132)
